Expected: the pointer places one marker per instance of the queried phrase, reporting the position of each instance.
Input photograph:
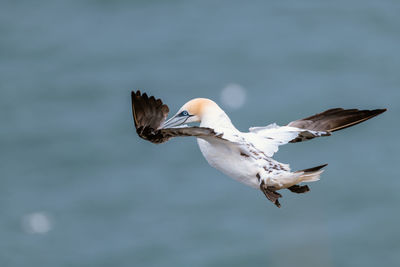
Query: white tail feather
(310, 176)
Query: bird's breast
(229, 160)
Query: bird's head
(193, 111)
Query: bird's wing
(150, 113)
(334, 119)
(270, 137)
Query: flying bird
(244, 156)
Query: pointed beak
(175, 121)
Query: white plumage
(244, 155)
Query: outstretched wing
(335, 119)
(150, 113)
(321, 124)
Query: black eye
(184, 113)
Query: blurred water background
(79, 188)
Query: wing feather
(335, 119)
(321, 124)
(150, 113)
(270, 137)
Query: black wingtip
(380, 111)
(137, 93)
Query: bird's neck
(217, 120)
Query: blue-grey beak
(175, 121)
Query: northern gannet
(244, 156)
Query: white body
(228, 160)
(247, 156)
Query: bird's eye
(184, 113)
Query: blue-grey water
(78, 187)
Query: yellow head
(193, 111)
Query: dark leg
(299, 189)
(271, 194)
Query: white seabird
(244, 156)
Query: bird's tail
(311, 175)
(307, 175)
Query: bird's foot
(271, 194)
(299, 189)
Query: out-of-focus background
(79, 188)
